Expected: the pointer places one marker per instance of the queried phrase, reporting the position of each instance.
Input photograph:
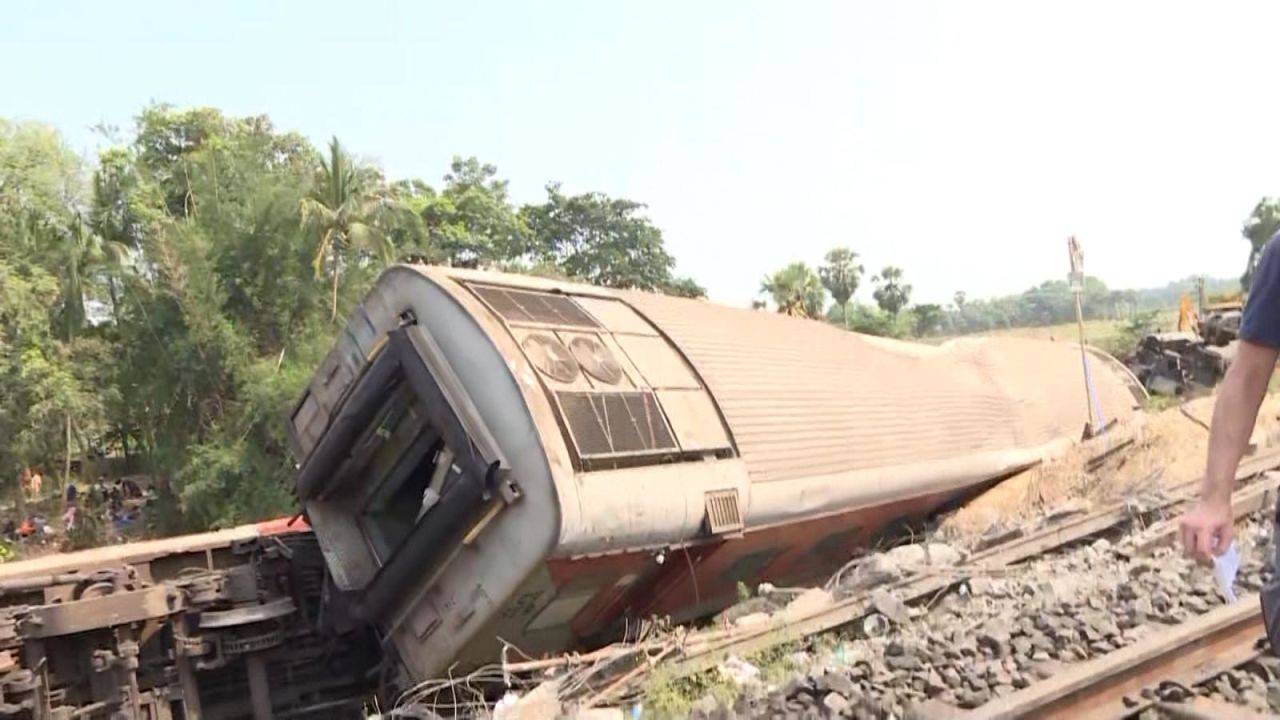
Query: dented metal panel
(806, 399)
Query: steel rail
(700, 656)
(1112, 686)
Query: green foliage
(171, 302)
(928, 319)
(891, 293)
(603, 241)
(1263, 222)
(795, 290)
(840, 274)
(471, 221)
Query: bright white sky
(962, 141)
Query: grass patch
(668, 696)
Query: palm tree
(796, 290)
(891, 294)
(340, 207)
(86, 258)
(840, 275)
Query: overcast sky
(962, 141)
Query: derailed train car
(487, 456)
(229, 624)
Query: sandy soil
(1169, 448)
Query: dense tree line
(169, 300)
(828, 292)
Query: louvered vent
(521, 306)
(604, 424)
(723, 515)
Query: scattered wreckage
(490, 461)
(1191, 360)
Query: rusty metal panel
(616, 316)
(660, 364)
(120, 608)
(805, 399)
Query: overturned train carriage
(487, 456)
(227, 624)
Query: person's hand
(1207, 530)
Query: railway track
(1126, 683)
(1120, 683)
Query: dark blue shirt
(1261, 321)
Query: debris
(541, 702)
(739, 671)
(888, 604)
(836, 703)
(807, 603)
(754, 620)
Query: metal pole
(1077, 287)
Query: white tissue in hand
(1225, 567)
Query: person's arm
(1234, 415)
(1208, 528)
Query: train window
(398, 503)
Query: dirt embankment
(1168, 448)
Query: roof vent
(723, 515)
(551, 357)
(596, 360)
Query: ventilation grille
(521, 306)
(723, 515)
(605, 424)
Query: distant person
(71, 494)
(37, 480)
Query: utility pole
(1076, 280)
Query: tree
(891, 294)
(1261, 225)
(205, 234)
(840, 275)
(928, 319)
(471, 222)
(795, 290)
(683, 287)
(340, 208)
(602, 240)
(959, 299)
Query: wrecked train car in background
(488, 456)
(1185, 362)
(226, 624)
